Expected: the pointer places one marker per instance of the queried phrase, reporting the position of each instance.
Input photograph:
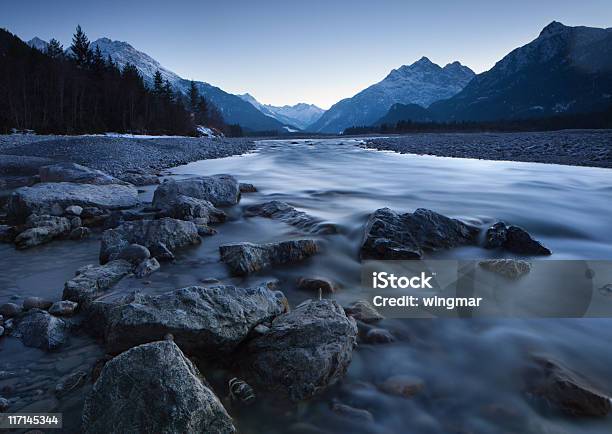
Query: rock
(160, 252)
(389, 235)
(245, 258)
(75, 222)
(1, 331)
(40, 198)
(352, 413)
(510, 268)
(42, 229)
(72, 172)
(139, 179)
(7, 233)
(363, 311)
(79, 233)
(402, 385)
(189, 208)
(247, 188)
(286, 213)
(204, 230)
(74, 210)
(1, 320)
(314, 284)
(171, 233)
(146, 267)
(10, 310)
(567, 391)
(36, 303)
(134, 253)
(220, 190)
(378, 336)
(70, 382)
(20, 165)
(92, 280)
(513, 239)
(153, 388)
(304, 352)
(206, 320)
(41, 330)
(4, 404)
(63, 308)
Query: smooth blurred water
(472, 369)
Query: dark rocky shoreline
(591, 148)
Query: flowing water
(471, 370)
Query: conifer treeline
(82, 92)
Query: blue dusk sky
(314, 51)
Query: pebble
(9, 310)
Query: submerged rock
(247, 188)
(72, 172)
(510, 268)
(39, 329)
(36, 303)
(70, 383)
(205, 320)
(304, 351)
(245, 258)
(389, 235)
(286, 213)
(513, 239)
(567, 391)
(153, 388)
(9, 310)
(42, 229)
(354, 414)
(378, 336)
(92, 280)
(315, 284)
(220, 190)
(170, 232)
(42, 198)
(404, 386)
(363, 311)
(146, 267)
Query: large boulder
(72, 172)
(390, 235)
(42, 229)
(153, 388)
(190, 208)
(220, 190)
(39, 329)
(45, 198)
(171, 233)
(245, 258)
(91, 281)
(304, 351)
(205, 320)
(513, 239)
(567, 390)
(286, 213)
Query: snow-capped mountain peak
(300, 115)
(38, 43)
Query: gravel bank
(115, 155)
(572, 148)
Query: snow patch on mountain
(301, 115)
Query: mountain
(405, 112)
(421, 83)
(234, 109)
(564, 70)
(300, 115)
(38, 43)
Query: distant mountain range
(421, 83)
(564, 70)
(301, 115)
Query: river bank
(591, 148)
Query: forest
(78, 91)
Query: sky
(314, 51)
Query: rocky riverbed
(230, 292)
(574, 148)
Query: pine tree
(194, 97)
(55, 49)
(158, 83)
(80, 47)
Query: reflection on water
(471, 369)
